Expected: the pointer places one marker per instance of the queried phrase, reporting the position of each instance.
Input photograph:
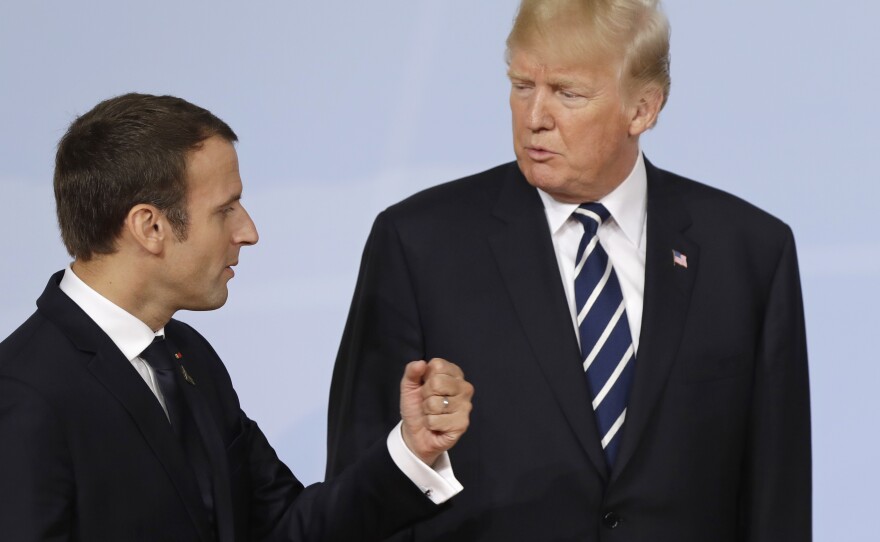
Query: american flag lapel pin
(679, 259)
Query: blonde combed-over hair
(577, 31)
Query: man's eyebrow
(560, 81)
(565, 82)
(230, 201)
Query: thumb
(413, 374)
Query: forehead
(531, 63)
(212, 172)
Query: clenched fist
(435, 406)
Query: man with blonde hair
(637, 337)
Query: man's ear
(644, 113)
(147, 227)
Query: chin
(210, 304)
(528, 171)
(545, 180)
(220, 301)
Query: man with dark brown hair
(119, 423)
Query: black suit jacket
(86, 452)
(716, 445)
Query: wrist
(428, 458)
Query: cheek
(519, 111)
(515, 118)
(597, 136)
(584, 141)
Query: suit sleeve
(381, 335)
(776, 495)
(369, 501)
(36, 482)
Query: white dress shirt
(132, 337)
(623, 237)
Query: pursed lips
(539, 154)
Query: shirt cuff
(438, 483)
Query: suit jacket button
(611, 520)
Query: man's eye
(567, 94)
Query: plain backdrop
(345, 107)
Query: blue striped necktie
(607, 350)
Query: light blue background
(345, 107)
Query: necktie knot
(591, 215)
(158, 355)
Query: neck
(121, 282)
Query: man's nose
(247, 231)
(539, 117)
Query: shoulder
(467, 194)
(735, 238)
(22, 355)
(42, 372)
(33, 349)
(713, 209)
(445, 215)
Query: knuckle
(434, 423)
(468, 389)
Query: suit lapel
(667, 298)
(120, 379)
(527, 263)
(214, 448)
(115, 372)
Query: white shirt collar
(628, 204)
(126, 331)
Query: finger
(441, 384)
(413, 374)
(445, 385)
(454, 423)
(442, 366)
(439, 404)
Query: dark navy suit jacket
(716, 444)
(87, 454)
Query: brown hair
(127, 150)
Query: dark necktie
(171, 376)
(607, 350)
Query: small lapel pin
(186, 375)
(679, 259)
(178, 355)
